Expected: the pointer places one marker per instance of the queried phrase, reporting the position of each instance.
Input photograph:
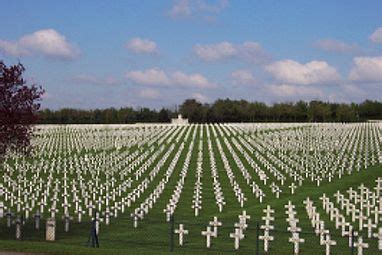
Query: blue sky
(97, 54)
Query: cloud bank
(46, 42)
(292, 72)
(376, 37)
(248, 51)
(366, 69)
(158, 77)
(337, 46)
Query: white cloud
(188, 8)
(366, 69)
(243, 77)
(248, 51)
(200, 97)
(292, 72)
(159, 77)
(213, 52)
(190, 80)
(180, 8)
(91, 79)
(149, 94)
(376, 37)
(46, 42)
(12, 48)
(139, 45)
(252, 52)
(288, 91)
(152, 76)
(337, 46)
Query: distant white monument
(179, 120)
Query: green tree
(193, 110)
(163, 116)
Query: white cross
(267, 219)
(322, 232)
(237, 236)
(135, 219)
(292, 188)
(2, 208)
(266, 227)
(208, 233)
(268, 210)
(244, 217)
(294, 229)
(241, 225)
(360, 217)
(370, 226)
(53, 211)
(379, 237)
(196, 208)
(360, 245)
(289, 206)
(215, 223)
(328, 242)
(267, 238)
(296, 240)
(376, 213)
(181, 231)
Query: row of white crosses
(319, 226)
(174, 200)
(347, 229)
(146, 205)
(118, 166)
(263, 177)
(361, 140)
(240, 227)
(218, 192)
(293, 228)
(24, 195)
(197, 196)
(152, 198)
(56, 140)
(267, 164)
(267, 227)
(238, 234)
(135, 194)
(240, 196)
(256, 190)
(254, 149)
(363, 207)
(53, 185)
(140, 211)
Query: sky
(95, 54)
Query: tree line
(222, 110)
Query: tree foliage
(18, 109)
(224, 110)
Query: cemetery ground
(192, 170)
